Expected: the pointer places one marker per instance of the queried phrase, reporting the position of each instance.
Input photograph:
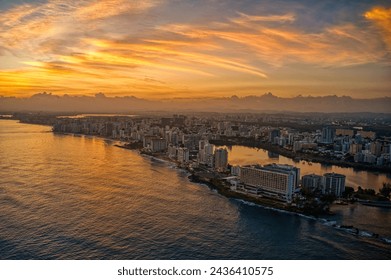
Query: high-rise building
(172, 151)
(183, 155)
(328, 134)
(221, 159)
(355, 148)
(147, 140)
(202, 143)
(201, 151)
(376, 148)
(286, 167)
(209, 154)
(158, 145)
(274, 181)
(273, 134)
(333, 183)
(311, 182)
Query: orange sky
(164, 49)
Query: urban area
(198, 143)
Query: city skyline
(181, 49)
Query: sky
(161, 49)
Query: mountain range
(100, 103)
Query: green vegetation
(349, 191)
(385, 190)
(370, 194)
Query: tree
(370, 192)
(348, 192)
(386, 190)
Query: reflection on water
(66, 197)
(80, 116)
(239, 155)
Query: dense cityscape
(198, 143)
(216, 131)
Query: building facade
(274, 181)
(311, 182)
(333, 183)
(221, 159)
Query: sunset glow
(164, 49)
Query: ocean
(80, 197)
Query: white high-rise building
(158, 145)
(201, 151)
(206, 154)
(274, 181)
(221, 159)
(333, 183)
(183, 155)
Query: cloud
(28, 26)
(381, 17)
(245, 19)
(108, 8)
(274, 40)
(83, 44)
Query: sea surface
(79, 197)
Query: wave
(328, 222)
(387, 240)
(365, 234)
(275, 209)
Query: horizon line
(107, 95)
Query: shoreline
(250, 143)
(217, 185)
(264, 203)
(267, 203)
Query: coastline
(218, 185)
(259, 202)
(252, 143)
(274, 205)
(267, 203)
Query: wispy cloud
(93, 10)
(76, 45)
(245, 19)
(282, 43)
(381, 17)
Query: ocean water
(79, 197)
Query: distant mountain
(100, 103)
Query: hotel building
(276, 181)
